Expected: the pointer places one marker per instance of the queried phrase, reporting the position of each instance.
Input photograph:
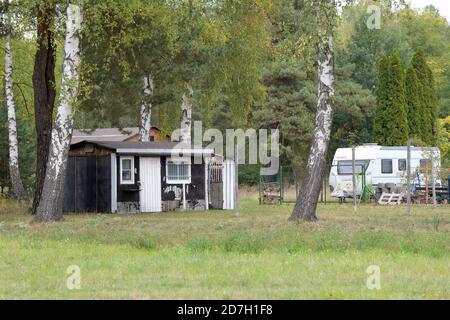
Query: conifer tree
(383, 103)
(415, 119)
(428, 99)
(396, 116)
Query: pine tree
(396, 116)
(383, 102)
(415, 119)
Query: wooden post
(354, 178)
(408, 179)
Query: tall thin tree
(50, 205)
(44, 91)
(14, 171)
(306, 205)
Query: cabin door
(150, 177)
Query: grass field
(214, 255)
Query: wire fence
(425, 186)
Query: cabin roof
(105, 134)
(149, 148)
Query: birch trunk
(14, 172)
(146, 109)
(186, 115)
(44, 93)
(50, 206)
(308, 196)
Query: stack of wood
(391, 198)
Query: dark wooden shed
(136, 177)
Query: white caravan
(381, 165)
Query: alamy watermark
(73, 281)
(374, 279)
(245, 147)
(374, 20)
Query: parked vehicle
(381, 165)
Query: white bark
(312, 181)
(186, 115)
(146, 109)
(16, 181)
(50, 206)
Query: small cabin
(131, 177)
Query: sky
(442, 5)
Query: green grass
(213, 255)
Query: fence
(283, 187)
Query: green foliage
(396, 116)
(428, 97)
(414, 103)
(383, 101)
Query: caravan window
(178, 172)
(386, 166)
(401, 164)
(345, 167)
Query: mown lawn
(215, 255)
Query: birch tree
(305, 207)
(14, 171)
(50, 206)
(186, 115)
(146, 109)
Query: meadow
(214, 255)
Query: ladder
(391, 198)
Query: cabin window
(178, 171)
(401, 164)
(346, 167)
(127, 170)
(386, 166)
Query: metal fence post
(408, 179)
(448, 190)
(354, 178)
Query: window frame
(360, 167)
(398, 164)
(132, 169)
(178, 162)
(392, 166)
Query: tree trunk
(50, 205)
(44, 94)
(305, 207)
(14, 172)
(186, 115)
(146, 110)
